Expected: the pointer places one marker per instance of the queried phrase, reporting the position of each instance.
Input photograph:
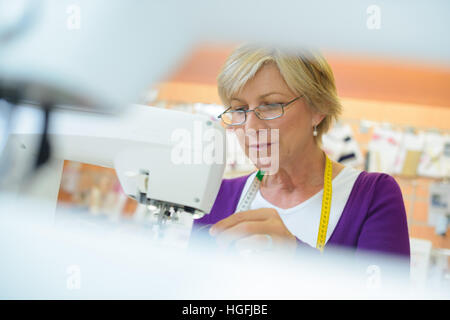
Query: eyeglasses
(264, 112)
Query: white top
(303, 220)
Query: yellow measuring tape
(326, 205)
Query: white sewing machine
(170, 161)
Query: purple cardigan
(373, 219)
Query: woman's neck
(303, 174)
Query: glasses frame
(283, 105)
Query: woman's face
(294, 128)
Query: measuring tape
(250, 195)
(326, 205)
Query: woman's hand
(254, 230)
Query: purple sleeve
(385, 228)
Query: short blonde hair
(306, 73)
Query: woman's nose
(253, 122)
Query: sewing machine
(171, 162)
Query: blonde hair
(306, 73)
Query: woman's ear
(317, 119)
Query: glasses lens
(269, 111)
(233, 117)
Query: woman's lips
(260, 145)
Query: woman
(267, 90)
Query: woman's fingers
(241, 230)
(264, 221)
(240, 217)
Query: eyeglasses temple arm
(220, 115)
